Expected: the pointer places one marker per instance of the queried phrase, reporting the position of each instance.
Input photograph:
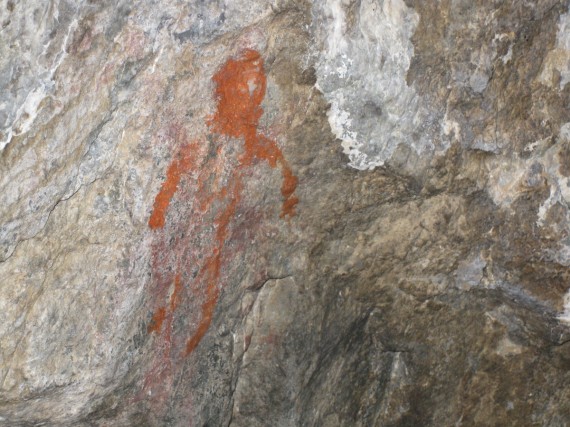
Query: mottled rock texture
(284, 213)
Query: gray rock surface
(284, 213)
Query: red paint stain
(175, 297)
(182, 164)
(240, 89)
(158, 317)
(212, 267)
(215, 193)
(287, 190)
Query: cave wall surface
(284, 213)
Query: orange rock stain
(158, 317)
(180, 165)
(240, 89)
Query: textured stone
(326, 213)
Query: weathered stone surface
(281, 213)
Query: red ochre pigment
(240, 89)
(180, 165)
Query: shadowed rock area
(284, 213)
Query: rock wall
(283, 212)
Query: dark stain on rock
(564, 159)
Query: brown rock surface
(283, 213)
